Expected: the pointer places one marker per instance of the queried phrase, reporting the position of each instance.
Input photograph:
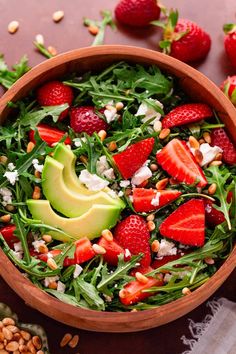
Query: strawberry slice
(45, 256)
(132, 233)
(186, 224)
(213, 216)
(132, 158)
(133, 291)
(157, 263)
(186, 114)
(221, 139)
(177, 160)
(146, 200)
(113, 250)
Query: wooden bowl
(199, 88)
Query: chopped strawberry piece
(220, 138)
(133, 291)
(177, 160)
(186, 224)
(8, 235)
(141, 269)
(83, 250)
(213, 216)
(132, 234)
(145, 200)
(132, 158)
(49, 134)
(113, 250)
(157, 263)
(44, 256)
(186, 114)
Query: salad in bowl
(117, 191)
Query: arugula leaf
(8, 77)
(68, 299)
(43, 50)
(106, 21)
(89, 293)
(21, 234)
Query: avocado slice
(68, 202)
(90, 224)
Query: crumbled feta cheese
(92, 181)
(37, 166)
(156, 200)
(6, 196)
(149, 112)
(166, 248)
(18, 255)
(167, 277)
(127, 253)
(49, 280)
(104, 169)
(110, 114)
(18, 246)
(11, 166)
(109, 174)
(61, 287)
(12, 177)
(35, 161)
(209, 153)
(124, 183)
(36, 244)
(112, 193)
(78, 270)
(120, 194)
(50, 255)
(107, 298)
(78, 141)
(141, 175)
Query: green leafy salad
(117, 192)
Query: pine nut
(119, 106)
(43, 249)
(21, 341)
(30, 147)
(141, 278)
(36, 193)
(10, 207)
(3, 160)
(57, 16)
(212, 189)
(209, 261)
(12, 346)
(150, 217)
(52, 50)
(134, 310)
(160, 185)
(25, 335)
(218, 157)
(153, 167)
(201, 141)
(74, 341)
(186, 291)
(17, 337)
(164, 133)
(31, 347)
(13, 328)
(52, 285)
(155, 246)
(37, 342)
(2, 351)
(215, 163)
(40, 352)
(207, 137)
(98, 249)
(23, 348)
(39, 39)
(7, 334)
(110, 108)
(93, 29)
(8, 321)
(83, 159)
(13, 27)
(157, 126)
(51, 264)
(112, 146)
(1, 337)
(5, 218)
(123, 293)
(1, 346)
(198, 156)
(193, 142)
(47, 238)
(65, 340)
(107, 234)
(151, 225)
(37, 174)
(102, 134)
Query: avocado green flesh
(67, 202)
(90, 224)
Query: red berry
(85, 119)
(177, 160)
(213, 216)
(186, 224)
(113, 250)
(186, 114)
(137, 12)
(49, 134)
(220, 138)
(131, 159)
(229, 88)
(230, 43)
(55, 93)
(132, 234)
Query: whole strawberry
(55, 93)
(229, 88)
(230, 42)
(132, 234)
(220, 138)
(137, 12)
(184, 39)
(85, 119)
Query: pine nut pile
(16, 341)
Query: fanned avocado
(90, 224)
(68, 202)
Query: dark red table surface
(36, 17)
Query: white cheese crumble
(112, 193)
(49, 280)
(166, 248)
(37, 166)
(141, 175)
(110, 114)
(109, 174)
(92, 181)
(78, 141)
(36, 244)
(78, 270)
(104, 169)
(18, 246)
(156, 200)
(18, 255)
(209, 153)
(61, 287)
(6, 195)
(149, 112)
(120, 194)
(127, 253)
(11, 166)
(124, 183)
(12, 177)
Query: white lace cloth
(217, 333)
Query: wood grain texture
(200, 88)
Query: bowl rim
(7, 267)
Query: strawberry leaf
(229, 28)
